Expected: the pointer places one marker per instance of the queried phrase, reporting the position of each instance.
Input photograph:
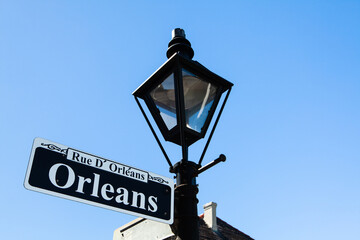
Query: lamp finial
(179, 44)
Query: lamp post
(182, 96)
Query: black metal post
(186, 219)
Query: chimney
(210, 215)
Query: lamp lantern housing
(182, 95)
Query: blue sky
(290, 129)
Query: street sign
(64, 172)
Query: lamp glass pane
(164, 98)
(199, 96)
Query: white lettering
(107, 190)
(96, 185)
(123, 196)
(152, 202)
(82, 180)
(52, 176)
(107, 187)
(135, 200)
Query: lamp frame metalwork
(180, 134)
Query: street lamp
(182, 96)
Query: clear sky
(290, 129)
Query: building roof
(225, 231)
(210, 228)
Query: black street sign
(72, 174)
